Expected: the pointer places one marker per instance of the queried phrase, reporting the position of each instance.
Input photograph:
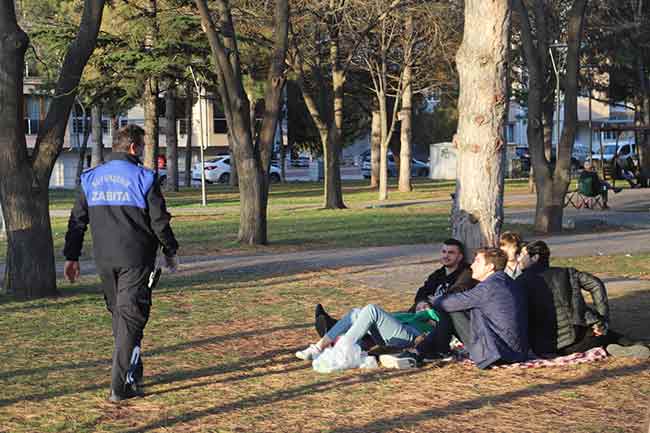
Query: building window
(105, 126)
(220, 126)
(509, 132)
(32, 114)
(78, 125)
(182, 126)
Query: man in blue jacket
(122, 202)
(497, 310)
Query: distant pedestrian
(122, 202)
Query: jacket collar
(535, 268)
(123, 156)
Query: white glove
(171, 263)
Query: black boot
(323, 321)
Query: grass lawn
(219, 358)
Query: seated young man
(560, 327)
(399, 330)
(453, 276)
(496, 309)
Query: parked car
(624, 151)
(300, 162)
(218, 170)
(418, 168)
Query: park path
(404, 267)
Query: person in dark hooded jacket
(560, 321)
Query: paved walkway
(404, 267)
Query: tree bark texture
(30, 268)
(171, 138)
(151, 123)
(406, 134)
(482, 59)
(97, 156)
(383, 147)
(406, 118)
(189, 106)
(375, 149)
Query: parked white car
(218, 170)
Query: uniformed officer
(122, 202)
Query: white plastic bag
(343, 355)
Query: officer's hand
(171, 263)
(71, 270)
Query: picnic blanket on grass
(592, 355)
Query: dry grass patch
(219, 358)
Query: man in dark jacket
(560, 321)
(453, 276)
(497, 310)
(126, 211)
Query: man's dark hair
(456, 243)
(540, 249)
(126, 136)
(494, 256)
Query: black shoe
(131, 391)
(319, 311)
(323, 321)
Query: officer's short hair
(127, 135)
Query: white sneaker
(637, 351)
(399, 361)
(312, 352)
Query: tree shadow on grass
(278, 396)
(460, 407)
(385, 424)
(263, 360)
(156, 351)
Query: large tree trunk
(248, 157)
(375, 149)
(30, 270)
(171, 138)
(333, 192)
(189, 107)
(644, 143)
(482, 60)
(97, 156)
(383, 147)
(406, 118)
(405, 134)
(150, 102)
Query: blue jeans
(371, 319)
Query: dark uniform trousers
(128, 298)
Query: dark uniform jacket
(126, 210)
(556, 305)
(498, 319)
(439, 283)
